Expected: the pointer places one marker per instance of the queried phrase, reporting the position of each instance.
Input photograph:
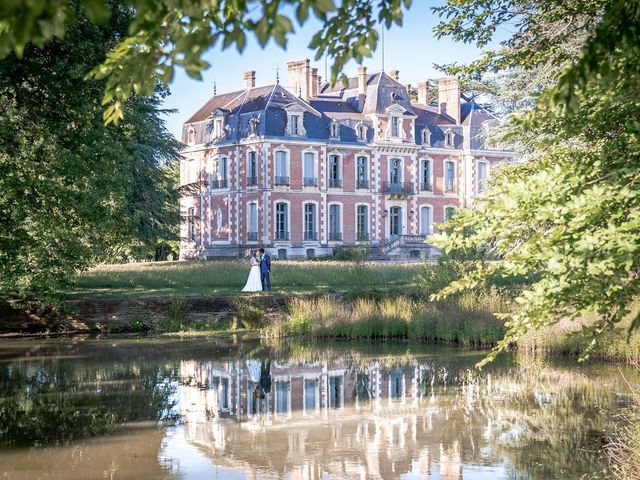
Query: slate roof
(339, 103)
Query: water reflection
(247, 411)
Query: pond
(233, 408)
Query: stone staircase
(405, 247)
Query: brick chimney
(395, 74)
(300, 78)
(362, 86)
(313, 83)
(250, 79)
(423, 93)
(449, 97)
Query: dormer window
(218, 127)
(426, 136)
(361, 131)
(253, 126)
(449, 139)
(191, 136)
(334, 130)
(295, 120)
(394, 130)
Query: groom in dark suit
(265, 270)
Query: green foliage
(570, 216)
(167, 34)
(73, 192)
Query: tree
(570, 215)
(166, 34)
(72, 191)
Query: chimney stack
(300, 78)
(449, 97)
(423, 93)
(362, 86)
(313, 83)
(395, 74)
(250, 79)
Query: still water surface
(158, 408)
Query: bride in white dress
(254, 282)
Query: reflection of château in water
(319, 419)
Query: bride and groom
(259, 274)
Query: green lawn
(159, 279)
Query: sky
(412, 49)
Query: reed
(391, 317)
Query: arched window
(334, 130)
(449, 138)
(361, 131)
(191, 136)
(449, 177)
(426, 136)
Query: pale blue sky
(411, 49)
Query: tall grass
(624, 452)
(466, 320)
(229, 276)
(563, 338)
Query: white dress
(254, 282)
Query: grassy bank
(160, 279)
(468, 320)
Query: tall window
(282, 177)
(425, 220)
(362, 173)
(449, 177)
(191, 135)
(334, 223)
(252, 234)
(425, 176)
(362, 223)
(310, 170)
(395, 222)
(252, 169)
(394, 126)
(191, 225)
(223, 172)
(334, 171)
(282, 221)
(482, 175)
(310, 232)
(395, 171)
(295, 119)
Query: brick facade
(250, 188)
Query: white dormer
(295, 120)
(253, 126)
(218, 118)
(395, 128)
(334, 130)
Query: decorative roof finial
(277, 75)
(215, 90)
